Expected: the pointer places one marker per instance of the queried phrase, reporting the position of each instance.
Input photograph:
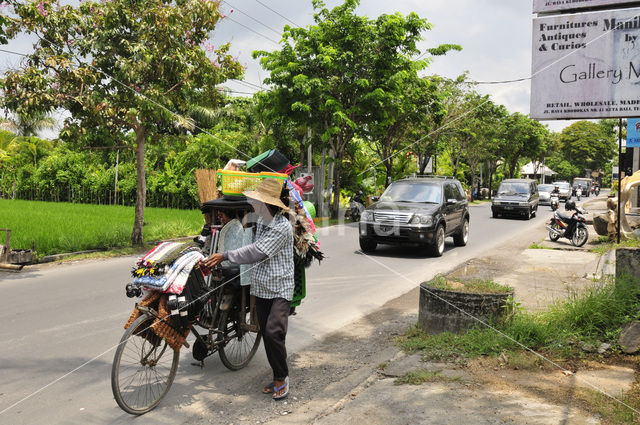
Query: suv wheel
(437, 248)
(368, 245)
(461, 238)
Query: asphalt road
(60, 324)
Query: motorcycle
(356, 206)
(554, 200)
(572, 227)
(578, 193)
(595, 190)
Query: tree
(400, 99)
(436, 130)
(338, 77)
(522, 137)
(120, 67)
(4, 22)
(587, 145)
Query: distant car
(420, 211)
(544, 192)
(565, 190)
(585, 183)
(516, 197)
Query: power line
(278, 13)
(254, 19)
(249, 85)
(501, 82)
(253, 31)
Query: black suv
(418, 210)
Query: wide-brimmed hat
(268, 191)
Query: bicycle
(145, 363)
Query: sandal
(268, 389)
(278, 389)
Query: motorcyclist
(358, 197)
(356, 205)
(579, 191)
(555, 191)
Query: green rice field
(58, 227)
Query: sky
(495, 36)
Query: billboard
(586, 65)
(543, 6)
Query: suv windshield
(413, 192)
(513, 188)
(564, 186)
(545, 188)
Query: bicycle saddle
(230, 271)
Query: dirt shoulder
(350, 376)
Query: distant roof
(536, 168)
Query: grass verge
(477, 286)
(57, 227)
(602, 245)
(595, 314)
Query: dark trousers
(273, 317)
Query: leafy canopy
(92, 59)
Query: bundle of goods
(166, 267)
(170, 268)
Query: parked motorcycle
(356, 206)
(554, 200)
(572, 227)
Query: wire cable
(253, 31)
(254, 19)
(279, 14)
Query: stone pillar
(628, 263)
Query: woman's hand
(213, 261)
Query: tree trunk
(335, 207)
(388, 165)
(138, 222)
(303, 150)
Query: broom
(207, 180)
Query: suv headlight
(366, 216)
(422, 219)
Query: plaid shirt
(273, 276)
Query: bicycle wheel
(240, 345)
(144, 367)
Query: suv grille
(391, 217)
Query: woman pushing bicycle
(272, 276)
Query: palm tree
(28, 125)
